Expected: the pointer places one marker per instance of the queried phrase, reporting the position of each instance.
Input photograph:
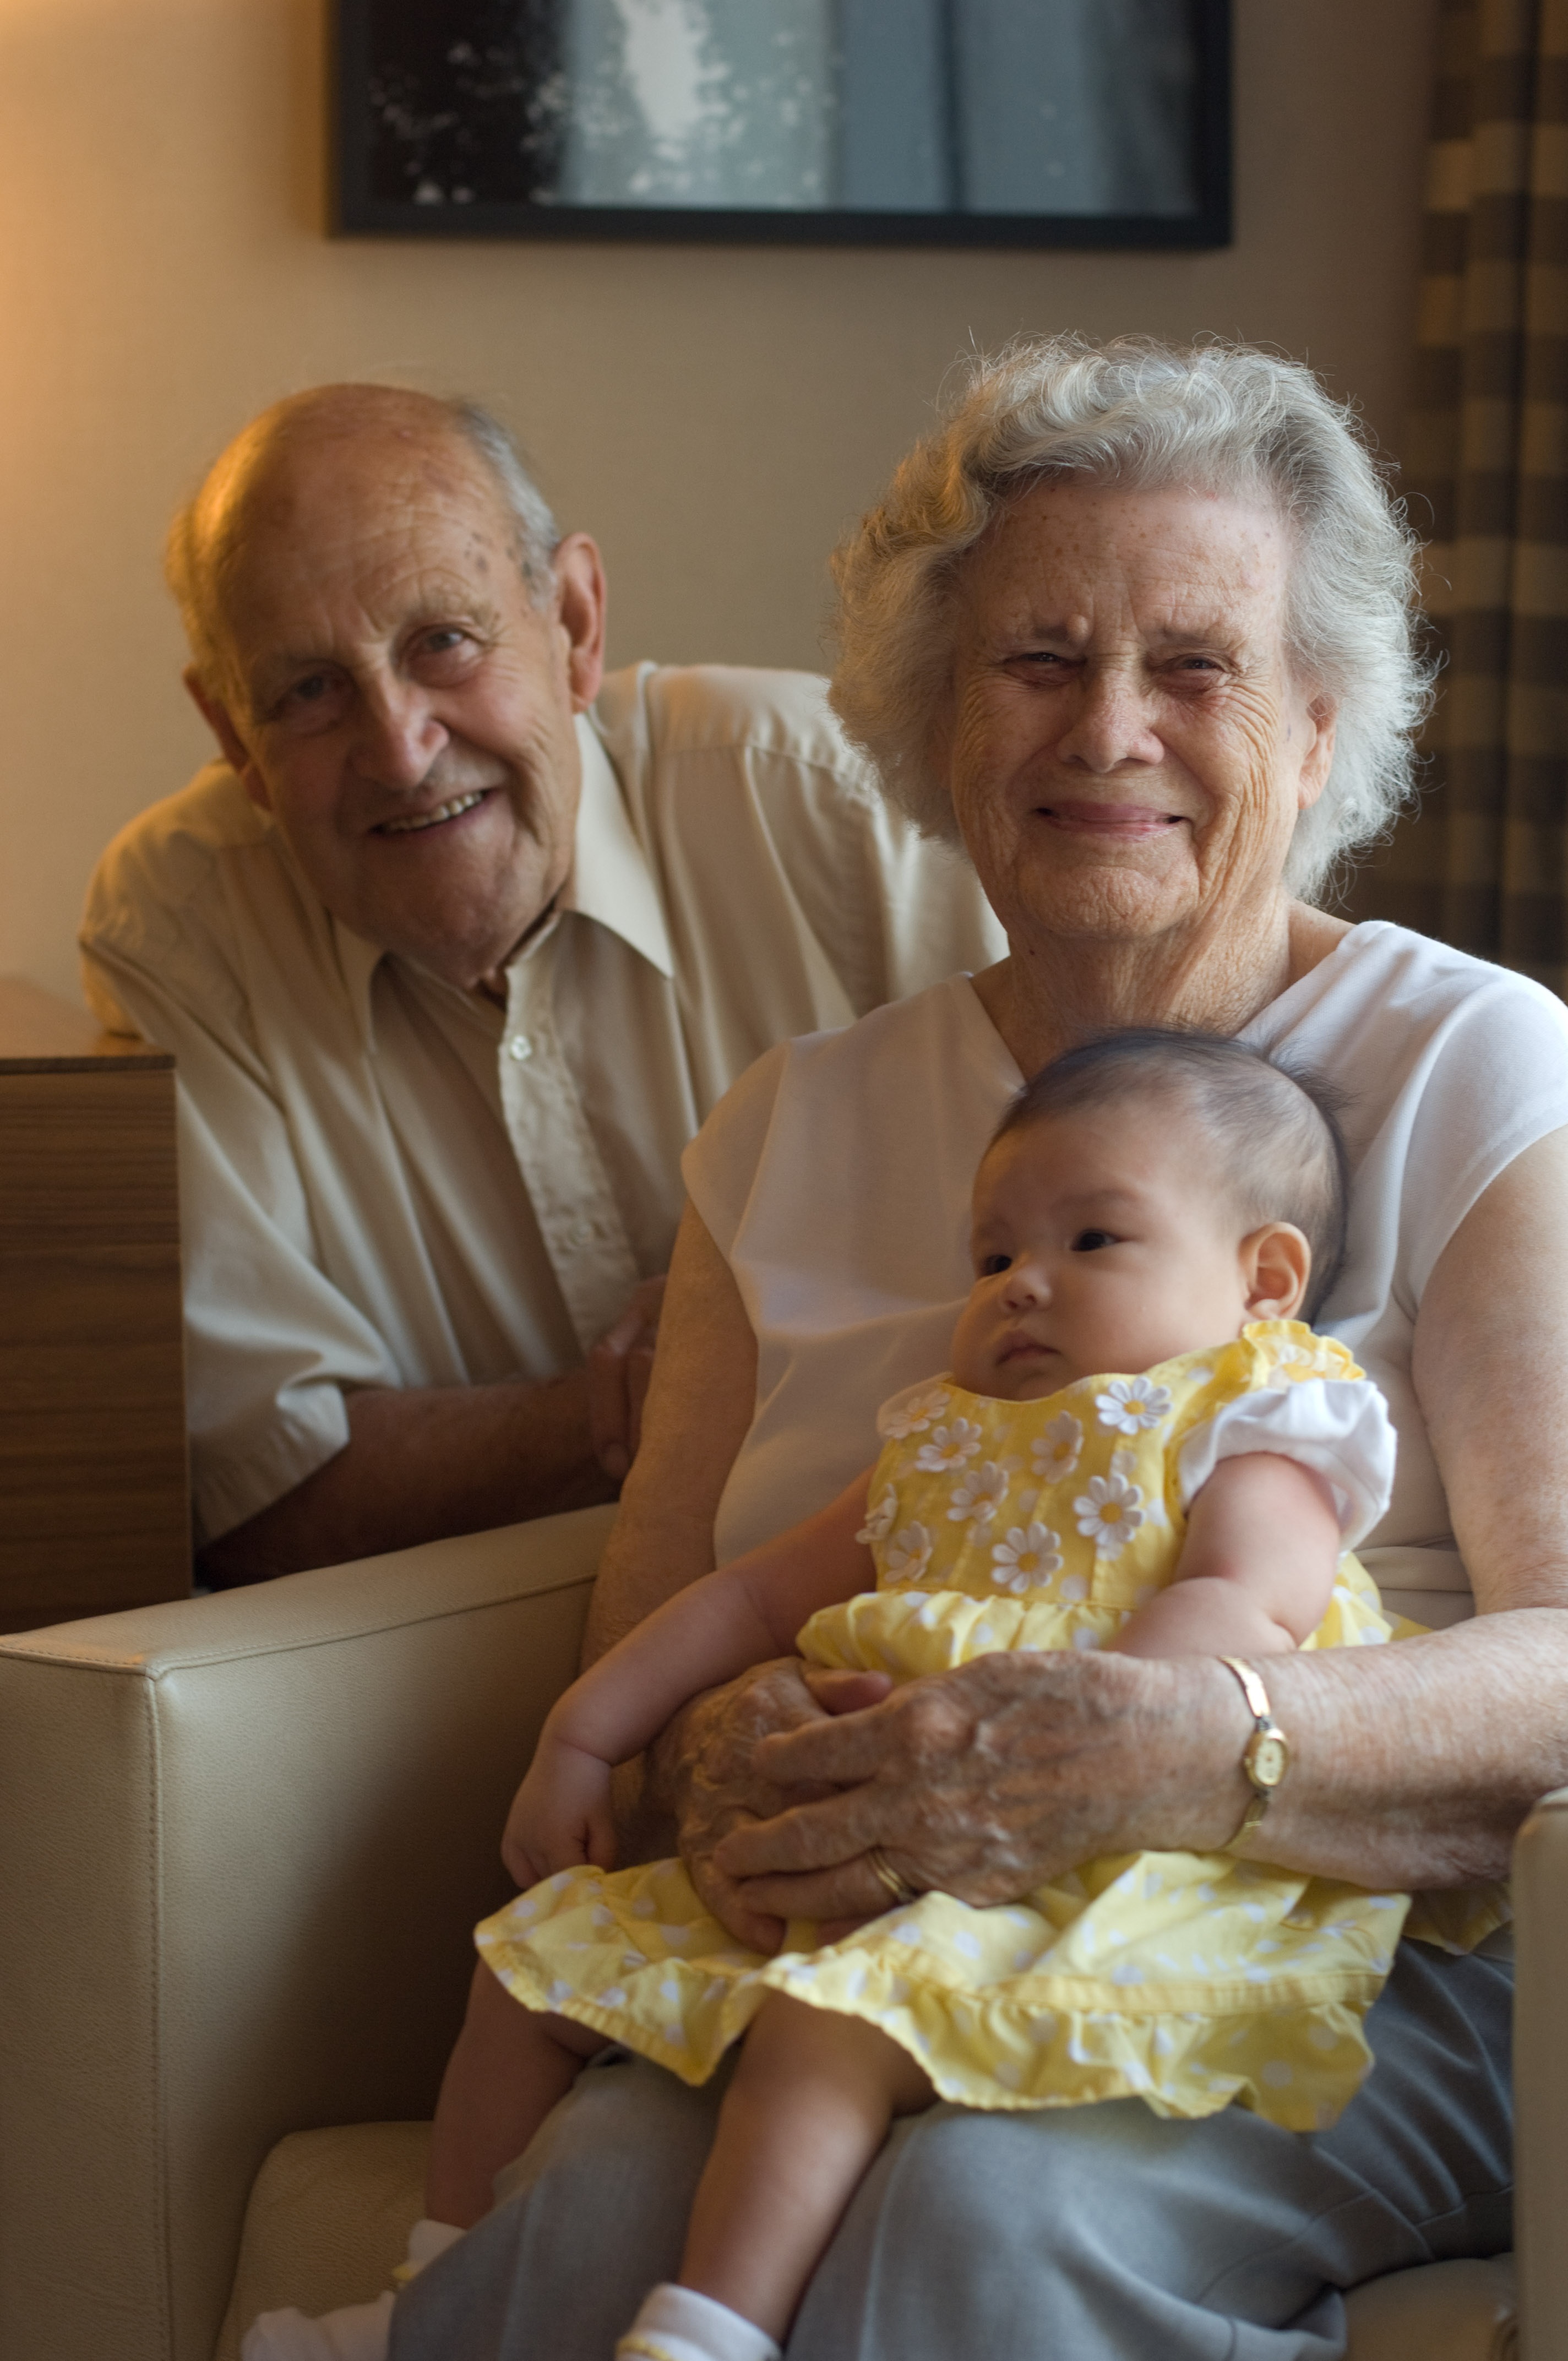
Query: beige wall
(714, 415)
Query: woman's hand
(703, 1774)
(560, 1816)
(984, 1782)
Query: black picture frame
(363, 208)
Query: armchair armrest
(1541, 2077)
(243, 1844)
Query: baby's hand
(561, 1816)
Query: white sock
(675, 2323)
(426, 2240)
(356, 2331)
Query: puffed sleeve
(1337, 1426)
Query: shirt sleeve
(270, 1343)
(761, 762)
(721, 1164)
(1339, 1427)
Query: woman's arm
(1412, 1765)
(699, 1403)
(700, 1778)
(1256, 1569)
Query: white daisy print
(880, 1520)
(977, 1499)
(1110, 1513)
(1055, 1454)
(949, 1446)
(1027, 1558)
(914, 1417)
(1130, 1404)
(909, 1554)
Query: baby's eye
(991, 1265)
(1089, 1241)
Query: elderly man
(456, 949)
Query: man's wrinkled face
(395, 698)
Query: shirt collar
(611, 883)
(357, 962)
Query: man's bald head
(264, 480)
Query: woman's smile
(1086, 817)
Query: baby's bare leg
(809, 2107)
(510, 2067)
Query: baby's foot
(676, 2323)
(357, 2333)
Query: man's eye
(308, 702)
(1090, 1241)
(993, 1265)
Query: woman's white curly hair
(1218, 417)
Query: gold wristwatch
(1268, 1755)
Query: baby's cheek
(973, 1354)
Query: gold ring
(899, 1887)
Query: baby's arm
(1256, 1569)
(706, 1634)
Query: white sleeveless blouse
(834, 1178)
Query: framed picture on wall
(1049, 123)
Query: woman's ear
(1277, 1262)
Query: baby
(1140, 1447)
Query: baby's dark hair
(1275, 1125)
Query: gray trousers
(1087, 2234)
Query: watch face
(1265, 1760)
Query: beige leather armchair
(243, 1841)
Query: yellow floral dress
(1188, 1980)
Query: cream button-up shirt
(386, 1180)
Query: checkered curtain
(1485, 863)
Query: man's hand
(703, 1772)
(560, 1816)
(618, 1369)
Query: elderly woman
(1135, 627)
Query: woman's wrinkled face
(1127, 748)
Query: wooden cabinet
(94, 1507)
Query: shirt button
(581, 1233)
(520, 1048)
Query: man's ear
(236, 753)
(581, 593)
(1277, 1262)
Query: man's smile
(452, 809)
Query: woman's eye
(1090, 1241)
(991, 1266)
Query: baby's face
(1104, 1241)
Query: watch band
(1267, 1757)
